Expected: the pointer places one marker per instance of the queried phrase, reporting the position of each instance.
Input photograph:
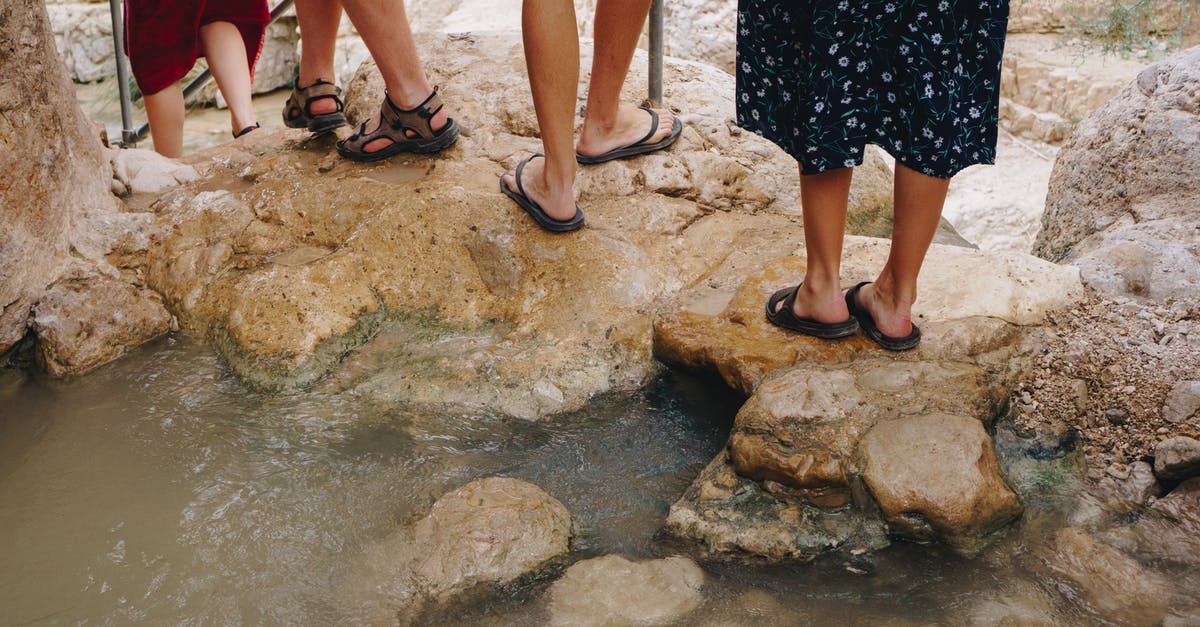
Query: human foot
(823, 305)
(634, 131)
(424, 128)
(317, 107)
(782, 312)
(557, 201)
(884, 317)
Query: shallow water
(159, 489)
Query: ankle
(892, 294)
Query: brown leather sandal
(298, 111)
(396, 124)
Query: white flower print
(819, 107)
(844, 61)
(861, 67)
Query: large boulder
(1123, 193)
(288, 257)
(612, 590)
(489, 531)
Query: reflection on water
(159, 489)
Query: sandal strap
(418, 119)
(653, 124)
(321, 90)
(521, 170)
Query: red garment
(162, 37)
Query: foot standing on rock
(543, 185)
(918, 78)
(411, 117)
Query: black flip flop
(784, 317)
(867, 324)
(534, 210)
(637, 147)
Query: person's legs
(383, 26)
(918, 209)
(318, 20)
(608, 124)
(164, 111)
(225, 51)
(824, 198)
(548, 28)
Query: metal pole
(128, 135)
(656, 53)
(198, 82)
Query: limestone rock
(719, 325)
(1106, 579)
(802, 426)
(85, 323)
(1177, 458)
(489, 531)
(1168, 531)
(730, 515)
(612, 590)
(1183, 403)
(84, 38)
(1122, 195)
(935, 476)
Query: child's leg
(226, 53)
(164, 110)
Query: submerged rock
(1106, 580)
(613, 590)
(489, 531)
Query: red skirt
(162, 37)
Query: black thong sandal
(396, 124)
(867, 324)
(637, 147)
(534, 210)
(252, 127)
(297, 113)
(786, 318)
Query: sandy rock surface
(489, 531)
(1123, 194)
(613, 590)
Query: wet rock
(82, 324)
(1106, 580)
(1142, 485)
(1021, 604)
(613, 590)
(489, 531)
(142, 171)
(1183, 403)
(1122, 195)
(935, 476)
(801, 427)
(730, 516)
(1166, 532)
(1188, 618)
(1177, 458)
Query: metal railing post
(656, 53)
(128, 135)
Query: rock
(613, 590)
(142, 171)
(718, 325)
(1121, 196)
(1021, 603)
(1177, 458)
(935, 476)
(83, 324)
(802, 426)
(732, 516)
(60, 218)
(1183, 403)
(489, 531)
(1188, 618)
(1142, 485)
(1106, 580)
(254, 255)
(1166, 532)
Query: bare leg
(919, 200)
(318, 21)
(609, 124)
(164, 111)
(383, 26)
(825, 197)
(552, 56)
(226, 54)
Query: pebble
(1116, 416)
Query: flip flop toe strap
(653, 124)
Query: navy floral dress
(920, 78)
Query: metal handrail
(130, 136)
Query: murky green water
(160, 490)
